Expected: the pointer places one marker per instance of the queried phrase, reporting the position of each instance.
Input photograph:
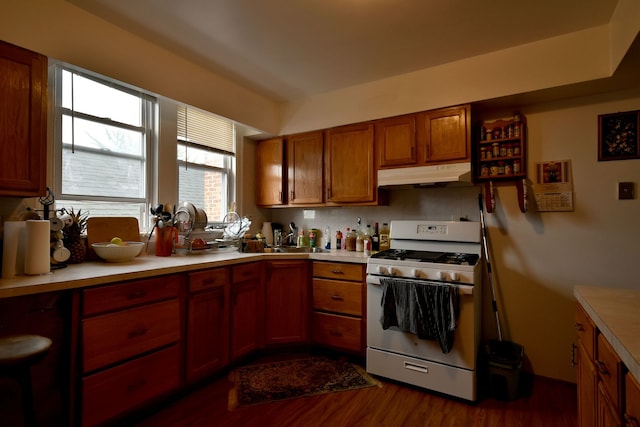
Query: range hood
(425, 175)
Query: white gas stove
(434, 254)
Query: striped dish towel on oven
(424, 309)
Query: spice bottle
(385, 244)
(350, 240)
(338, 239)
(375, 239)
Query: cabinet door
(607, 411)
(286, 302)
(270, 172)
(444, 135)
(632, 396)
(247, 296)
(587, 388)
(305, 163)
(396, 141)
(23, 121)
(207, 323)
(349, 163)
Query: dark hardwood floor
(543, 403)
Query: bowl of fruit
(117, 250)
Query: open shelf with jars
(501, 157)
(502, 150)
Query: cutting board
(103, 229)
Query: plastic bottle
(368, 236)
(301, 239)
(313, 237)
(360, 242)
(385, 244)
(327, 237)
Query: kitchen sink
(297, 250)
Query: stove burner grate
(428, 256)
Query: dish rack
(227, 234)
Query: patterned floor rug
(289, 379)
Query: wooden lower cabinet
(247, 305)
(338, 319)
(129, 385)
(130, 345)
(286, 302)
(587, 390)
(601, 381)
(207, 343)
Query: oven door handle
(462, 289)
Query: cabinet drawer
(337, 270)
(609, 366)
(117, 336)
(207, 279)
(336, 296)
(586, 331)
(114, 391)
(244, 272)
(337, 331)
(124, 295)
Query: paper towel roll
(37, 258)
(13, 248)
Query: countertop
(90, 273)
(616, 314)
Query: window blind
(206, 130)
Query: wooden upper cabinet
(396, 141)
(305, 163)
(444, 135)
(23, 121)
(270, 189)
(350, 173)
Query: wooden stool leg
(24, 379)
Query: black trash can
(504, 360)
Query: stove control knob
(454, 276)
(441, 276)
(381, 270)
(415, 273)
(392, 271)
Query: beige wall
(538, 257)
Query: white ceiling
(290, 49)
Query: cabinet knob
(631, 421)
(602, 368)
(137, 332)
(337, 298)
(137, 294)
(579, 326)
(337, 271)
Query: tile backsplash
(429, 203)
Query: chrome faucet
(290, 238)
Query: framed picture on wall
(618, 136)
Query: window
(206, 161)
(104, 140)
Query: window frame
(149, 126)
(229, 162)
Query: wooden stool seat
(17, 354)
(22, 349)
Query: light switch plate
(626, 190)
(309, 214)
